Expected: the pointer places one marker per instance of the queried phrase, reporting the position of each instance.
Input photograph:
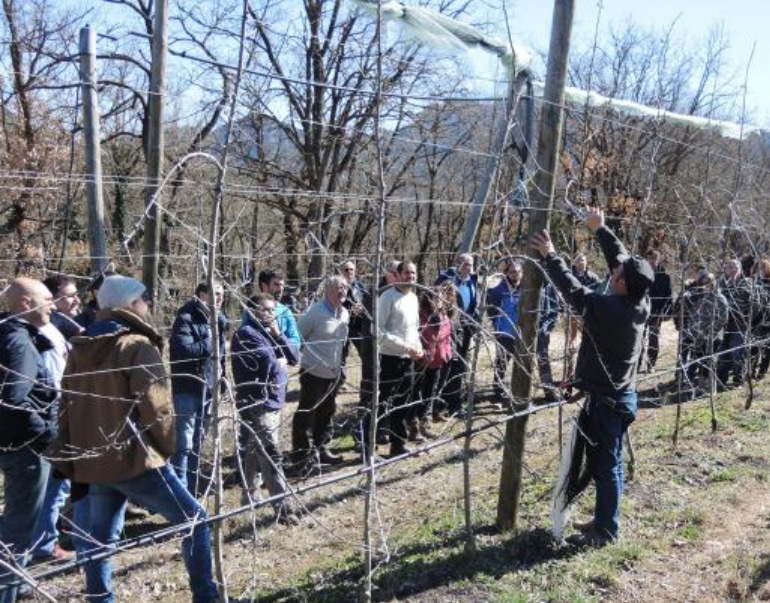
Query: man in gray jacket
(324, 330)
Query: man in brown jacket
(116, 434)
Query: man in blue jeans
(116, 433)
(26, 421)
(192, 377)
(613, 328)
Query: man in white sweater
(324, 330)
(398, 315)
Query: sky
(746, 22)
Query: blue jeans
(160, 491)
(26, 475)
(603, 422)
(190, 413)
(45, 535)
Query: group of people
(725, 326)
(88, 410)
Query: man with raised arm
(606, 365)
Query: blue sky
(746, 22)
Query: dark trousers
(363, 344)
(457, 369)
(316, 408)
(424, 392)
(396, 384)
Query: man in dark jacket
(26, 421)
(661, 299)
(260, 353)
(192, 377)
(738, 291)
(466, 283)
(606, 365)
(503, 308)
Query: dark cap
(638, 275)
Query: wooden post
(548, 146)
(154, 150)
(96, 233)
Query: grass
(694, 526)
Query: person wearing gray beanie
(119, 292)
(117, 432)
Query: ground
(695, 522)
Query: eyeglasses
(269, 309)
(349, 269)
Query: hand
(273, 329)
(594, 218)
(356, 309)
(416, 354)
(542, 244)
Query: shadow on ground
(418, 568)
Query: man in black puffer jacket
(192, 377)
(26, 421)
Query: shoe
(551, 396)
(425, 430)
(134, 512)
(584, 526)
(326, 457)
(440, 417)
(58, 555)
(399, 449)
(286, 516)
(246, 500)
(382, 438)
(589, 539)
(414, 434)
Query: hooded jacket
(191, 349)
(26, 387)
(116, 418)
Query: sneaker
(382, 438)
(134, 512)
(326, 457)
(57, 555)
(589, 539)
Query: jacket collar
(133, 322)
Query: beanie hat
(118, 292)
(638, 275)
